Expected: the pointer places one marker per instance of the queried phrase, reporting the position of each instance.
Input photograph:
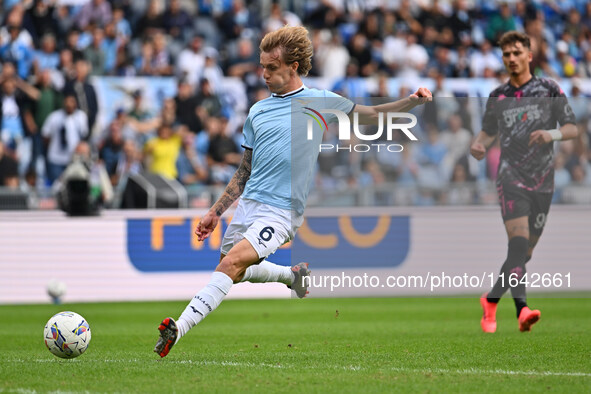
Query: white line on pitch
(469, 371)
(477, 371)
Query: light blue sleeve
(337, 102)
(248, 133)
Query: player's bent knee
(232, 267)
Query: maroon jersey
(514, 113)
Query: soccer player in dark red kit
(528, 114)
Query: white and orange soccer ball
(67, 334)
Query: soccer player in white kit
(273, 196)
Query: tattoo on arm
(236, 185)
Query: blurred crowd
(438, 168)
(50, 50)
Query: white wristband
(556, 134)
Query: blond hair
(294, 44)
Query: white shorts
(266, 227)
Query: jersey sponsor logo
(521, 114)
(169, 244)
(538, 90)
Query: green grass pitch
(311, 345)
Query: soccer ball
(67, 334)
(56, 289)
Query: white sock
(266, 271)
(204, 302)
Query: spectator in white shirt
(63, 130)
(191, 61)
(332, 56)
(483, 60)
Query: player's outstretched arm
(369, 115)
(568, 131)
(480, 145)
(234, 189)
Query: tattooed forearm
(236, 185)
